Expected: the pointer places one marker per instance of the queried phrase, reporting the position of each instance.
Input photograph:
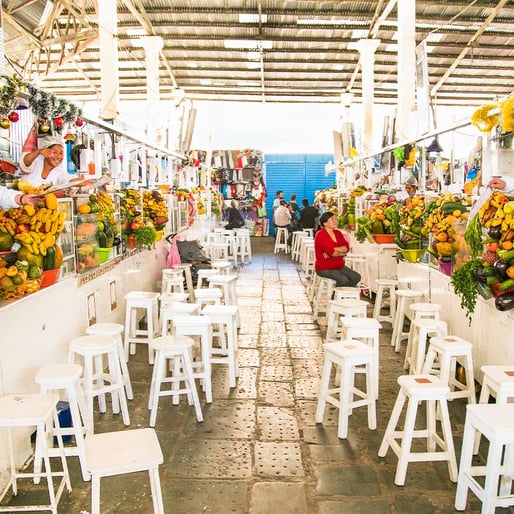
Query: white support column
(2, 51)
(152, 45)
(109, 78)
(406, 69)
(367, 48)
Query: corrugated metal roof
(300, 51)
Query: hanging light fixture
(434, 146)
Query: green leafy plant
(145, 236)
(465, 286)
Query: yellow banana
(42, 249)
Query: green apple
(508, 208)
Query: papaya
(6, 241)
(23, 254)
(59, 256)
(51, 201)
(83, 209)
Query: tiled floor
(259, 450)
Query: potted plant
(145, 236)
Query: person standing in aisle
(295, 209)
(235, 220)
(308, 215)
(11, 198)
(279, 198)
(330, 248)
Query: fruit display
(155, 209)
(31, 232)
(102, 204)
(86, 241)
(413, 235)
(445, 220)
(382, 218)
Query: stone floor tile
(279, 497)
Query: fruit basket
(12, 292)
(33, 285)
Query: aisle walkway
(259, 450)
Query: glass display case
(86, 242)
(66, 240)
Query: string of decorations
(51, 111)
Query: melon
(6, 241)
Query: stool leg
(345, 398)
(98, 373)
(155, 487)
(494, 459)
(398, 325)
(155, 387)
(95, 494)
(408, 434)
(114, 365)
(124, 368)
(391, 425)
(188, 371)
(325, 380)
(466, 457)
(448, 439)
(77, 423)
(371, 386)
(378, 302)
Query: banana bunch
(130, 202)
(7, 224)
(47, 221)
(105, 206)
(491, 213)
(33, 241)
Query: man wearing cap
(45, 164)
(411, 186)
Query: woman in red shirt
(330, 247)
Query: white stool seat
(222, 267)
(128, 451)
(204, 274)
(338, 309)
(425, 310)
(173, 309)
(34, 410)
(226, 316)
(185, 268)
(416, 389)
(179, 349)
(66, 377)
(97, 381)
(137, 303)
(416, 351)
(342, 292)
(208, 296)
(384, 284)
(347, 355)
(172, 281)
(281, 237)
(447, 350)
(323, 295)
(404, 298)
(496, 423)
(115, 330)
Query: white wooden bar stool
(496, 423)
(217, 251)
(346, 356)
(198, 326)
(171, 310)
(323, 295)
(415, 389)
(172, 281)
(338, 309)
(66, 377)
(166, 299)
(231, 242)
(404, 298)
(115, 330)
(342, 292)
(446, 351)
(360, 263)
(313, 286)
(227, 283)
(498, 382)
(208, 296)
(305, 242)
(309, 261)
(281, 240)
(365, 330)
(390, 285)
(420, 330)
(204, 274)
(92, 350)
(185, 267)
(308, 231)
(28, 411)
(118, 453)
(296, 243)
(139, 305)
(244, 245)
(225, 316)
(424, 310)
(222, 267)
(179, 350)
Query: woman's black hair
(325, 217)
